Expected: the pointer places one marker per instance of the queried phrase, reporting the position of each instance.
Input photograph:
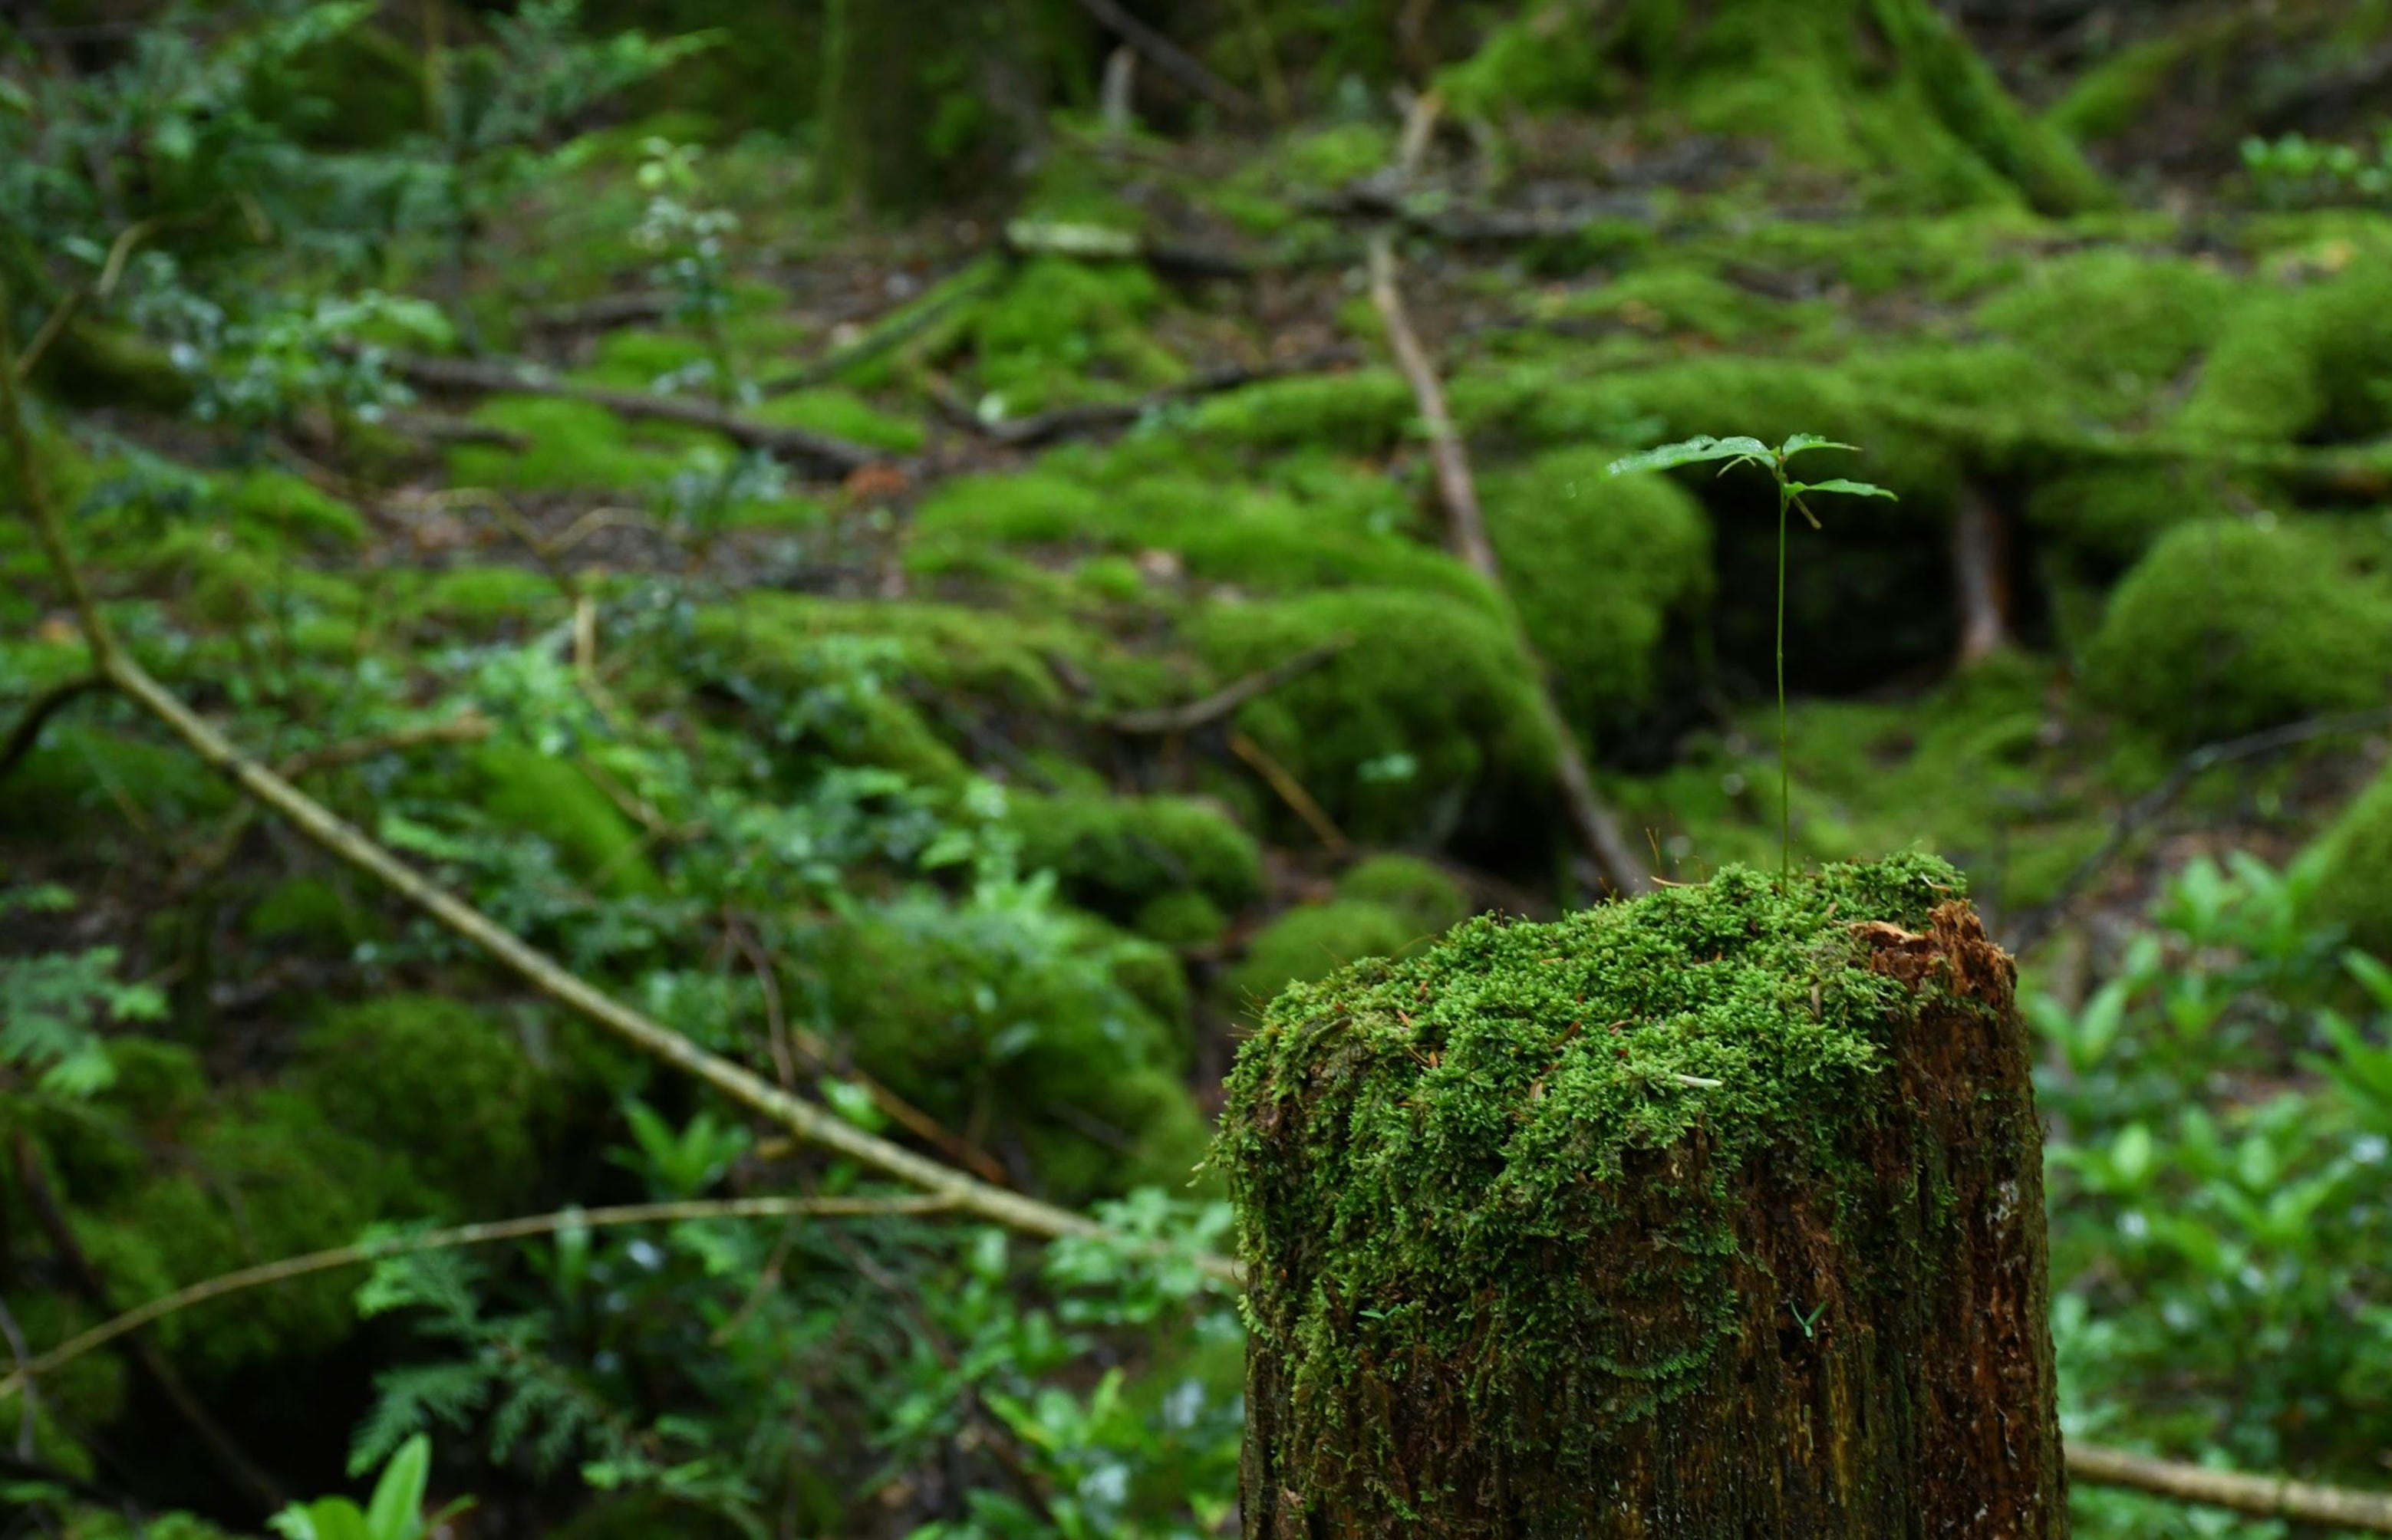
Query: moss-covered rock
(1183, 919)
(1434, 704)
(999, 1019)
(2122, 318)
(2112, 514)
(1598, 566)
(1360, 411)
(2228, 627)
(1414, 888)
(1113, 854)
(440, 1088)
(2313, 362)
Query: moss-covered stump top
(1718, 1206)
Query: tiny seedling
(1808, 1322)
(1730, 453)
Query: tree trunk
(1715, 1213)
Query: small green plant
(1730, 453)
(2295, 171)
(394, 1512)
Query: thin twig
(2260, 1496)
(1291, 791)
(448, 1239)
(1212, 707)
(1598, 831)
(2037, 923)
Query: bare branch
(28, 730)
(1212, 707)
(2260, 1496)
(449, 1239)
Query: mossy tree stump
(1718, 1213)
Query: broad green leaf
(396, 1510)
(1853, 488)
(1800, 443)
(1701, 447)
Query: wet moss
(1598, 567)
(1485, 1164)
(2129, 320)
(1064, 329)
(843, 414)
(1360, 411)
(1115, 854)
(2227, 626)
(310, 912)
(571, 446)
(280, 507)
(1183, 919)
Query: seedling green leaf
(1855, 488)
(1691, 451)
(1800, 443)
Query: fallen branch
(2038, 921)
(606, 310)
(2259, 1497)
(1212, 707)
(1098, 416)
(909, 322)
(1291, 791)
(821, 451)
(28, 730)
(345, 842)
(449, 1239)
(1596, 829)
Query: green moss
(489, 593)
(1408, 886)
(1261, 539)
(436, 1086)
(2111, 513)
(1362, 411)
(572, 445)
(994, 1018)
(1550, 58)
(311, 912)
(2354, 884)
(634, 358)
(270, 1177)
(2227, 626)
(1315, 940)
(843, 414)
(2301, 364)
(520, 787)
(1692, 302)
(1065, 330)
(1183, 919)
(2119, 91)
(1112, 854)
(1465, 1158)
(1394, 735)
(2122, 318)
(280, 505)
(1598, 567)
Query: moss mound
(1417, 890)
(519, 787)
(2312, 363)
(2227, 626)
(1397, 734)
(1598, 566)
(1114, 854)
(1519, 1157)
(2354, 884)
(2111, 513)
(1315, 941)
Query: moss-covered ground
(872, 757)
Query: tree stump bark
(1714, 1214)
